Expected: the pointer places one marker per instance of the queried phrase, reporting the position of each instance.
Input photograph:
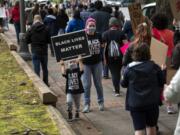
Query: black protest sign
(135, 15)
(70, 45)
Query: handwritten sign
(135, 15)
(158, 52)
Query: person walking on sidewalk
(112, 37)
(144, 81)
(172, 94)
(143, 34)
(62, 19)
(51, 22)
(161, 32)
(74, 87)
(93, 66)
(76, 23)
(102, 16)
(38, 36)
(16, 19)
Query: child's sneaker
(170, 110)
(77, 115)
(70, 116)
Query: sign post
(70, 45)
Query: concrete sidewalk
(113, 121)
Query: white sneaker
(101, 107)
(86, 109)
(117, 95)
(170, 110)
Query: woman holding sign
(161, 32)
(93, 66)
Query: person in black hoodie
(143, 80)
(62, 19)
(51, 23)
(38, 36)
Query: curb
(56, 116)
(46, 95)
(11, 45)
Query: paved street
(113, 121)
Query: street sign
(70, 45)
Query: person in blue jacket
(76, 23)
(144, 81)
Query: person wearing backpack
(113, 39)
(76, 23)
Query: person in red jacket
(161, 32)
(16, 19)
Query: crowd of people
(108, 32)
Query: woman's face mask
(91, 28)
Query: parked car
(149, 9)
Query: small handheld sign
(70, 45)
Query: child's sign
(175, 7)
(135, 15)
(70, 45)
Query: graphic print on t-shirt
(94, 46)
(73, 82)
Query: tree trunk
(163, 6)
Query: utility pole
(24, 50)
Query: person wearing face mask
(93, 66)
(74, 87)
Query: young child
(74, 87)
(144, 81)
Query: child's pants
(73, 98)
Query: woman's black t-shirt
(73, 81)
(94, 42)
